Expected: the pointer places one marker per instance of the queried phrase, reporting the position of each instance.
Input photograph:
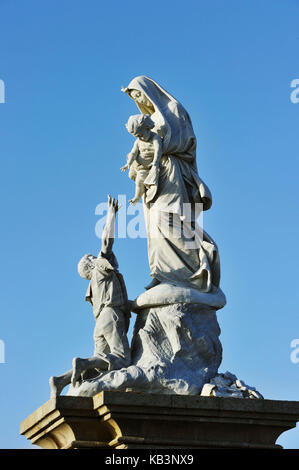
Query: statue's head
(140, 98)
(139, 125)
(86, 265)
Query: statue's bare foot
(78, 369)
(56, 386)
(154, 283)
(133, 201)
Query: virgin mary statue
(179, 252)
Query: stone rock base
(228, 385)
(129, 420)
(175, 350)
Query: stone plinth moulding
(129, 420)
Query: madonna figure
(179, 252)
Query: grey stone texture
(175, 349)
(128, 420)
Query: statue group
(175, 347)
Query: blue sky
(63, 140)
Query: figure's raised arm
(109, 229)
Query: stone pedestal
(129, 420)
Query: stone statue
(178, 185)
(175, 346)
(108, 296)
(144, 158)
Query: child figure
(145, 155)
(108, 296)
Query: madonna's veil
(174, 125)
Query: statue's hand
(112, 204)
(124, 168)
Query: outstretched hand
(112, 204)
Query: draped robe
(177, 185)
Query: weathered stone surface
(255, 394)
(207, 390)
(220, 381)
(175, 350)
(170, 293)
(123, 420)
(228, 385)
(230, 376)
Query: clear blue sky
(63, 140)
